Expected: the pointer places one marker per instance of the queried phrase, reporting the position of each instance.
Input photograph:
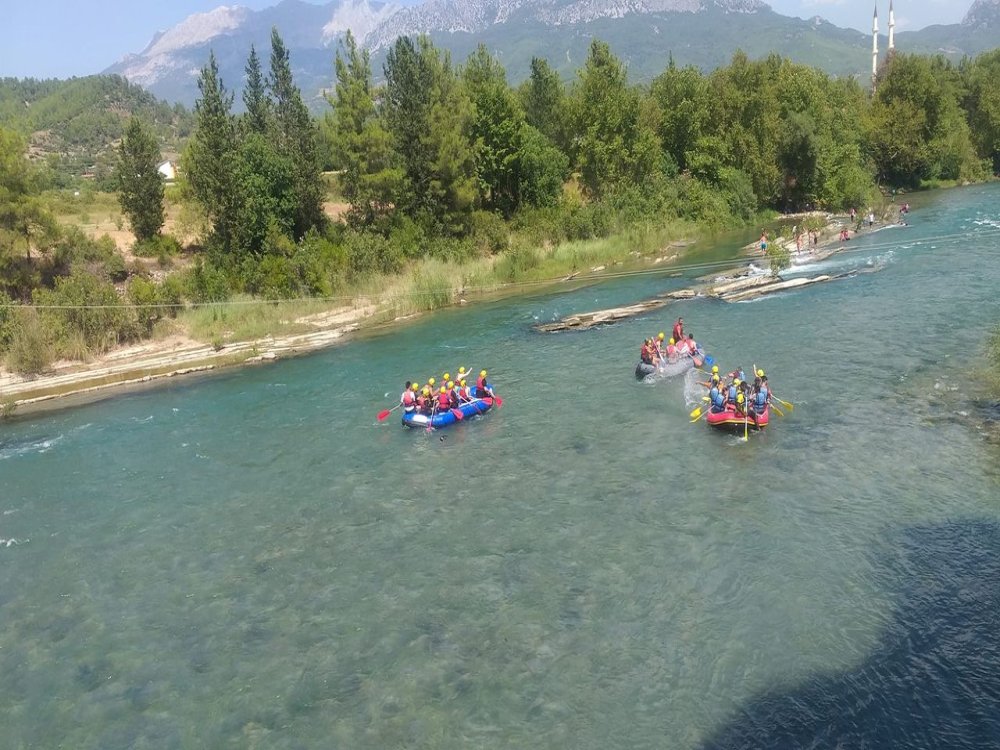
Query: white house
(168, 170)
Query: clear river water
(252, 561)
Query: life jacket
(444, 402)
(760, 400)
(741, 403)
(732, 393)
(644, 355)
(407, 401)
(719, 400)
(678, 333)
(713, 393)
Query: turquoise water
(253, 561)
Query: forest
(453, 176)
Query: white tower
(874, 48)
(892, 24)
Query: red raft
(730, 421)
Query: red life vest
(407, 398)
(481, 383)
(444, 401)
(678, 334)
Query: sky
(63, 38)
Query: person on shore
(763, 242)
(854, 214)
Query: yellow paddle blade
(695, 419)
(696, 412)
(777, 410)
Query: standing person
(678, 332)
(763, 241)
(854, 214)
(408, 399)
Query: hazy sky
(62, 38)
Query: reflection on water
(254, 561)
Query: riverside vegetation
(457, 182)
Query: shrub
(30, 349)
(517, 261)
(86, 304)
(489, 233)
(160, 246)
(370, 253)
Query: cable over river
(254, 561)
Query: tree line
(451, 161)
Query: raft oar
(696, 413)
(779, 411)
(458, 414)
(783, 403)
(386, 412)
(498, 401)
(699, 416)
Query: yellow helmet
(461, 371)
(414, 386)
(430, 382)
(760, 373)
(446, 377)
(672, 340)
(660, 335)
(739, 398)
(443, 389)
(737, 381)
(482, 373)
(451, 384)
(715, 369)
(462, 382)
(715, 378)
(427, 391)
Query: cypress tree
(140, 185)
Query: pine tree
(295, 136)
(140, 185)
(428, 115)
(210, 157)
(255, 97)
(362, 146)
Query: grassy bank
(430, 283)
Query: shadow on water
(934, 679)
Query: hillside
(645, 33)
(72, 123)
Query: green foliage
(544, 100)
(30, 351)
(140, 185)
(615, 145)
(84, 304)
(76, 122)
(362, 147)
(369, 253)
(982, 102)
(428, 115)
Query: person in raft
(408, 399)
(483, 388)
(677, 334)
(647, 353)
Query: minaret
(874, 48)
(892, 24)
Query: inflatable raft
(666, 369)
(730, 421)
(446, 418)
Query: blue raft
(445, 418)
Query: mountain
(644, 33)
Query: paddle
(776, 409)
(430, 422)
(457, 414)
(386, 412)
(497, 400)
(783, 403)
(699, 416)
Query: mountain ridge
(644, 32)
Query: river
(252, 561)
